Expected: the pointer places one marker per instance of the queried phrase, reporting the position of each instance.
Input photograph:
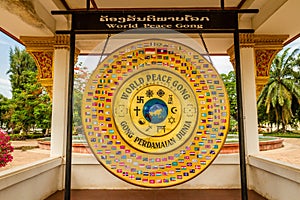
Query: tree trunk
(283, 127)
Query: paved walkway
(27, 152)
(18, 144)
(290, 153)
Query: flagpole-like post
(68, 165)
(243, 173)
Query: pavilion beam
(79, 28)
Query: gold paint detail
(42, 50)
(146, 125)
(44, 60)
(38, 43)
(260, 81)
(263, 61)
(62, 41)
(130, 91)
(265, 49)
(166, 122)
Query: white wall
(34, 181)
(87, 173)
(273, 179)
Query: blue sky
(5, 44)
(221, 63)
(293, 45)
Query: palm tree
(282, 89)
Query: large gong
(155, 113)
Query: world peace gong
(159, 78)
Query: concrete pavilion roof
(34, 18)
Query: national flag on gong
(145, 180)
(162, 51)
(149, 50)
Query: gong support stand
(202, 21)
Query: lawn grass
(288, 134)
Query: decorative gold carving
(38, 43)
(77, 52)
(269, 40)
(263, 60)
(247, 40)
(62, 42)
(260, 83)
(44, 60)
(265, 49)
(48, 85)
(230, 52)
(42, 50)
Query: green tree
(81, 76)
(4, 110)
(282, 91)
(22, 69)
(27, 93)
(230, 85)
(42, 113)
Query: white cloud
(90, 62)
(4, 43)
(222, 64)
(5, 88)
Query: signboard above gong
(155, 113)
(179, 20)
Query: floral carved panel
(263, 60)
(45, 62)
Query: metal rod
(222, 4)
(88, 4)
(205, 47)
(139, 10)
(243, 173)
(70, 119)
(104, 48)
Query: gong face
(155, 113)
(162, 110)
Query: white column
(249, 100)
(60, 104)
